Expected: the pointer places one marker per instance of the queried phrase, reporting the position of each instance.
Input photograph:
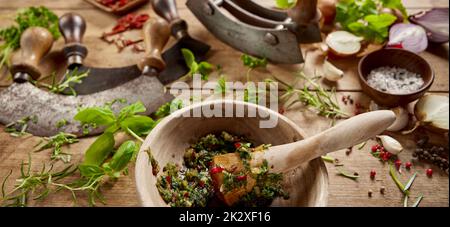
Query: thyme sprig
(56, 143)
(18, 128)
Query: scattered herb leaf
(56, 142)
(203, 68)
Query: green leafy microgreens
(56, 142)
(25, 18)
(203, 68)
(73, 77)
(364, 17)
(322, 101)
(19, 127)
(253, 63)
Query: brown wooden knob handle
(35, 43)
(304, 12)
(72, 27)
(156, 34)
(166, 9)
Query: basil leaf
(131, 110)
(189, 58)
(99, 150)
(90, 170)
(380, 22)
(123, 156)
(96, 115)
(166, 109)
(204, 68)
(141, 125)
(253, 62)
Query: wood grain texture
(342, 191)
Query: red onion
(435, 21)
(409, 36)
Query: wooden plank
(342, 191)
(221, 54)
(80, 4)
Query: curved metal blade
(176, 65)
(100, 79)
(23, 100)
(278, 45)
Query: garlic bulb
(331, 72)
(401, 121)
(390, 144)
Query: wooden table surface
(342, 191)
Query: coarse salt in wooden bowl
(307, 185)
(394, 57)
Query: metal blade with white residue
(22, 100)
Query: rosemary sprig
(322, 101)
(56, 142)
(35, 185)
(73, 77)
(18, 128)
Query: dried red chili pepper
(128, 22)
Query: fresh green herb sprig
(365, 17)
(404, 188)
(25, 18)
(101, 162)
(35, 185)
(19, 127)
(166, 109)
(73, 77)
(203, 68)
(322, 101)
(127, 120)
(56, 143)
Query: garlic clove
(390, 144)
(331, 72)
(401, 121)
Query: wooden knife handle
(156, 34)
(72, 27)
(35, 43)
(167, 9)
(304, 12)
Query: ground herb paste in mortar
(191, 185)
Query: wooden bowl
(398, 58)
(307, 184)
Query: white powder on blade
(395, 80)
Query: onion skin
(332, 43)
(402, 34)
(429, 21)
(421, 115)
